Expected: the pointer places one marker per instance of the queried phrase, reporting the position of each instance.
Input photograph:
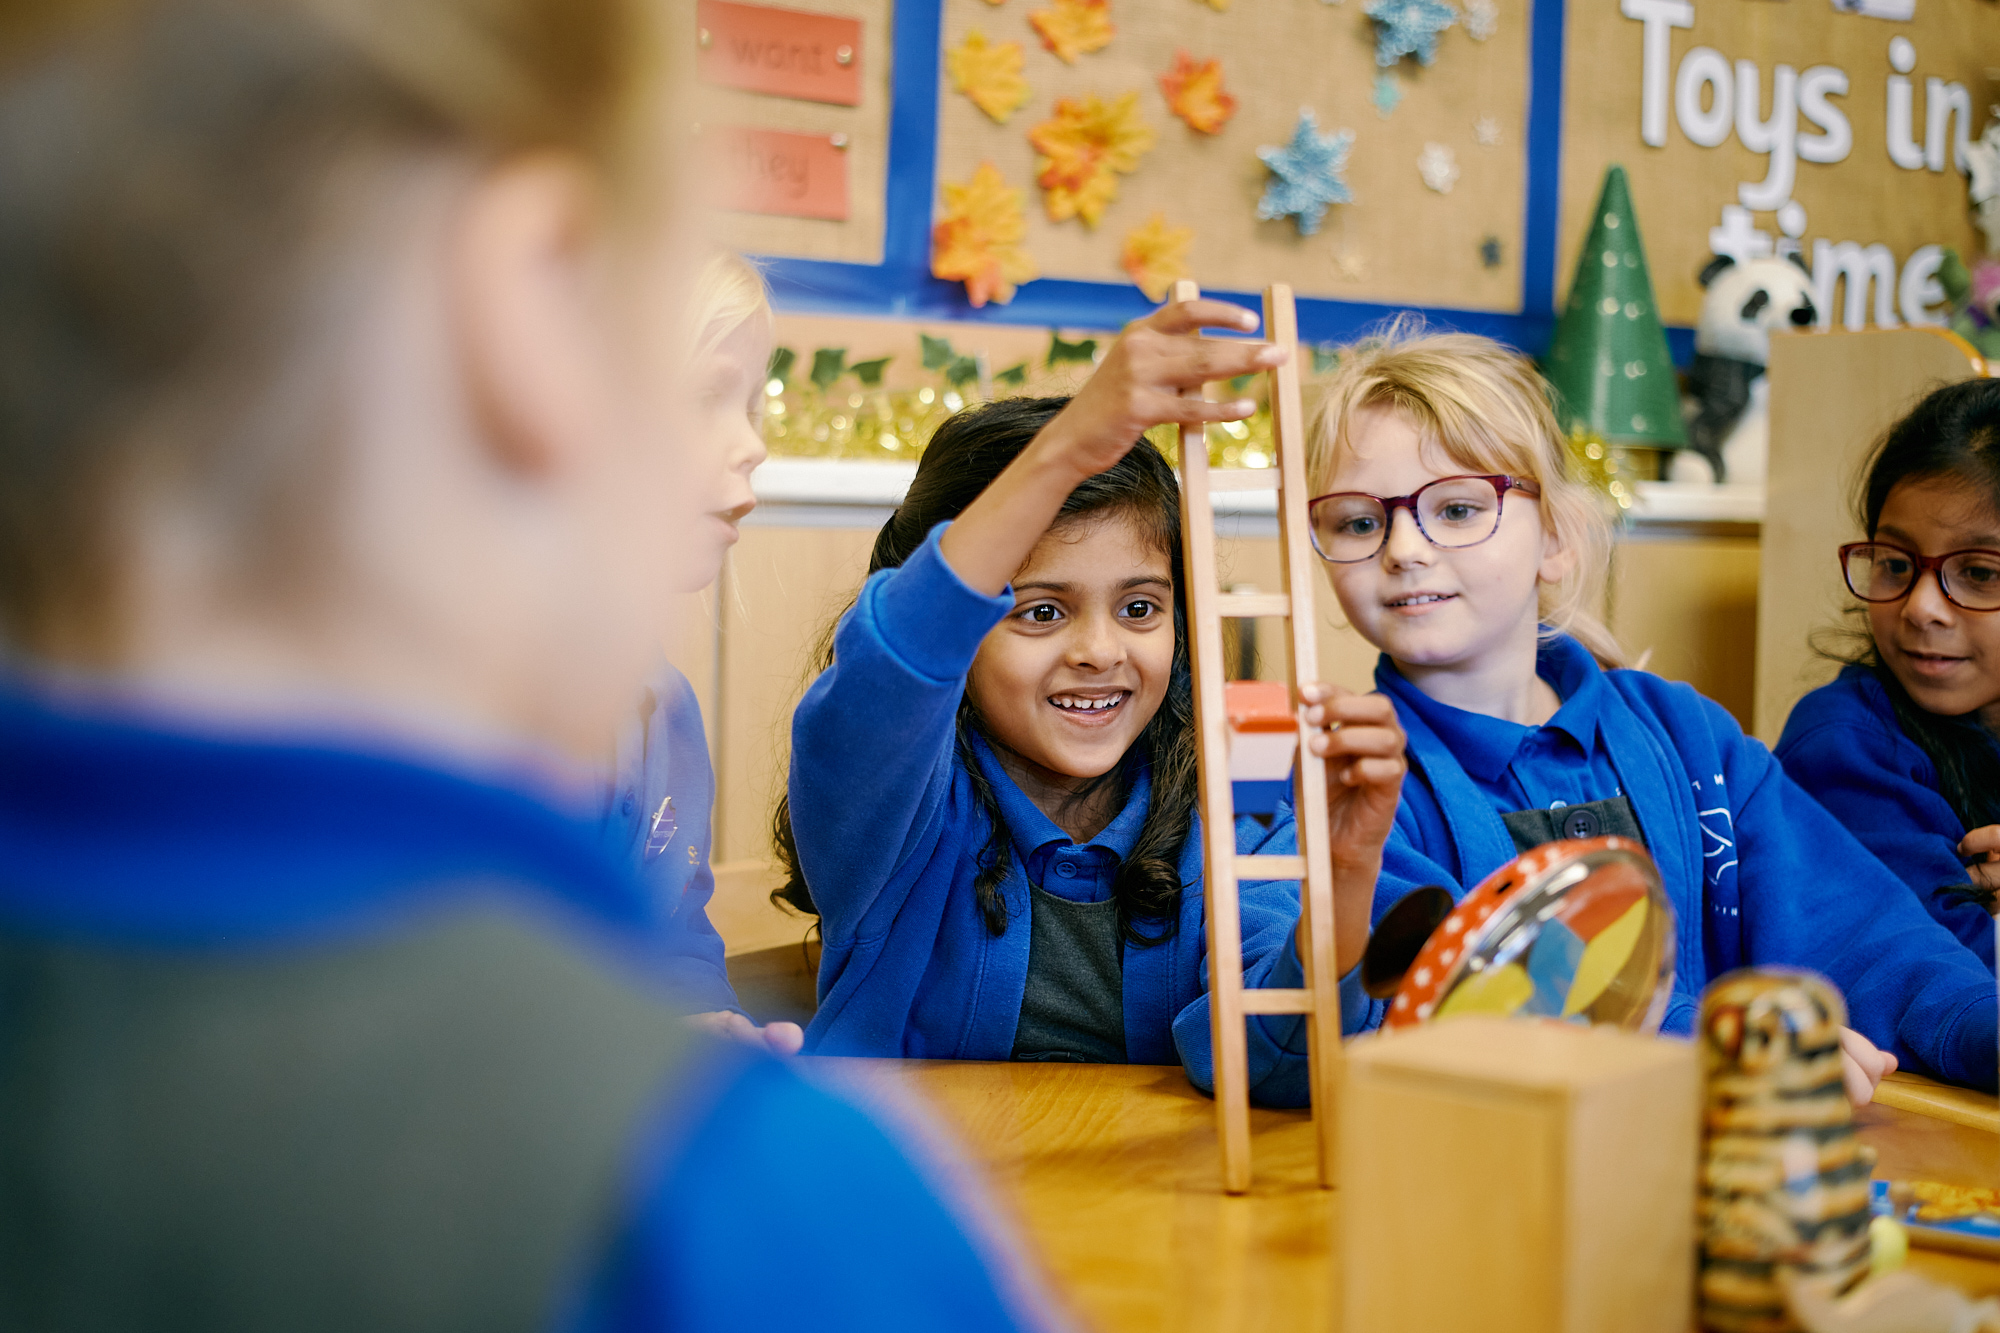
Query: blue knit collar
(118, 825)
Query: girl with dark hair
(993, 789)
(1902, 745)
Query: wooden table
(1112, 1175)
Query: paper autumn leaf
(1083, 146)
(1156, 255)
(1071, 28)
(990, 75)
(978, 240)
(1195, 94)
(1219, 6)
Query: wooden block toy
(1513, 1176)
(1263, 739)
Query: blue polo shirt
(158, 838)
(1562, 762)
(1082, 873)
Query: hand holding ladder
(1230, 1005)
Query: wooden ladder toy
(1230, 1004)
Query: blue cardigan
(663, 763)
(888, 830)
(1842, 744)
(122, 831)
(1757, 870)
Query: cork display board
(790, 131)
(1685, 151)
(1399, 241)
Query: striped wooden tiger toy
(1784, 1179)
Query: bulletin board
(1680, 187)
(1399, 241)
(863, 131)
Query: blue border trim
(901, 286)
(1544, 192)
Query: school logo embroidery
(1718, 834)
(660, 835)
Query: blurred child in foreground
(342, 392)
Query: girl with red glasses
(1901, 747)
(1461, 543)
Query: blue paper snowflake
(1305, 175)
(1408, 28)
(1388, 93)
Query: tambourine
(1579, 931)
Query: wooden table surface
(1111, 1174)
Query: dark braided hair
(967, 453)
(1953, 433)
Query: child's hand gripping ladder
(1229, 1003)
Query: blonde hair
(185, 187)
(1488, 409)
(729, 292)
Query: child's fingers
(1982, 841)
(1371, 772)
(1986, 874)
(1164, 409)
(1190, 316)
(1357, 742)
(1189, 363)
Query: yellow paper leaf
(1156, 255)
(990, 75)
(978, 240)
(1084, 146)
(1071, 28)
(1194, 92)
(1219, 6)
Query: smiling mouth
(1090, 707)
(1416, 599)
(1932, 661)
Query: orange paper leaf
(1071, 28)
(978, 240)
(990, 75)
(1194, 91)
(1084, 146)
(1156, 255)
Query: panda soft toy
(1729, 431)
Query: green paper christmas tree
(1613, 377)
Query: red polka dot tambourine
(1578, 931)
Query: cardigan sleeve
(872, 741)
(668, 761)
(1276, 1044)
(901, 1240)
(1822, 901)
(1883, 789)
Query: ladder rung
(1277, 1001)
(1250, 605)
(1243, 479)
(1270, 867)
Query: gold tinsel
(847, 419)
(1606, 466)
